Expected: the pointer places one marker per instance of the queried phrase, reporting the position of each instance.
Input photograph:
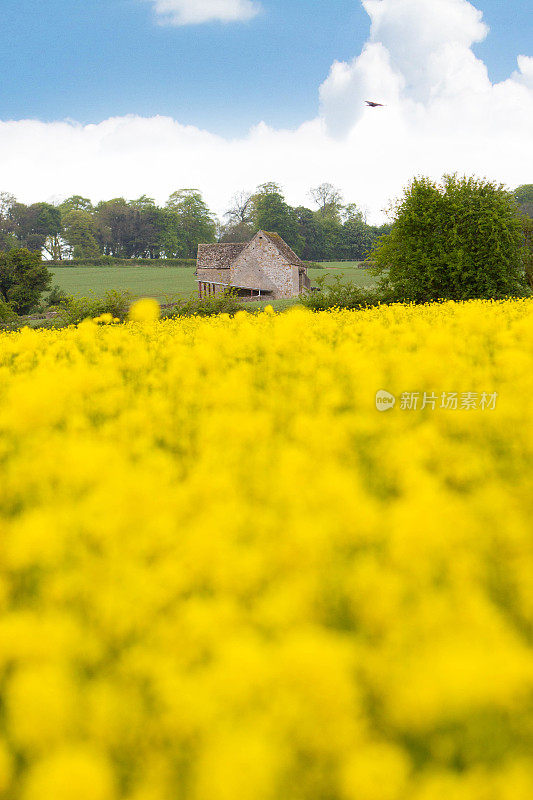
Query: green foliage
(23, 276)
(79, 232)
(123, 232)
(271, 213)
(312, 233)
(114, 224)
(335, 233)
(226, 303)
(458, 240)
(140, 231)
(239, 226)
(329, 201)
(7, 313)
(36, 226)
(524, 197)
(340, 294)
(527, 228)
(8, 238)
(109, 261)
(76, 308)
(117, 303)
(187, 223)
(143, 203)
(76, 203)
(356, 237)
(56, 297)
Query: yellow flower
(6, 768)
(224, 573)
(104, 319)
(146, 310)
(42, 705)
(376, 771)
(71, 774)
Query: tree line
(462, 238)
(330, 230)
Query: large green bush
(226, 303)
(23, 276)
(76, 308)
(6, 312)
(457, 240)
(339, 294)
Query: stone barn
(265, 268)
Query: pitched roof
(284, 249)
(222, 256)
(218, 256)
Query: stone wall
(213, 275)
(261, 266)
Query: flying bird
(372, 104)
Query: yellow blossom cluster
(226, 575)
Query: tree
(329, 218)
(115, 227)
(311, 233)
(7, 224)
(239, 225)
(148, 226)
(241, 209)
(23, 276)
(76, 203)
(38, 226)
(271, 213)
(357, 237)
(241, 232)
(524, 197)
(456, 240)
(270, 187)
(189, 223)
(327, 198)
(143, 203)
(79, 232)
(527, 227)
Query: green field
(167, 283)
(158, 282)
(348, 271)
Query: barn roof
(218, 256)
(222, 256)
(284, 249)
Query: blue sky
(88, 60)
(98, 98)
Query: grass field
(158, 282)
(165, 283)
(348, 270)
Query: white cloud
(196, 12)
(418, 51)
(368, 77)
(525, 71)
(421, 36)
(442, 114)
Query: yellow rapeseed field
(226, 575)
